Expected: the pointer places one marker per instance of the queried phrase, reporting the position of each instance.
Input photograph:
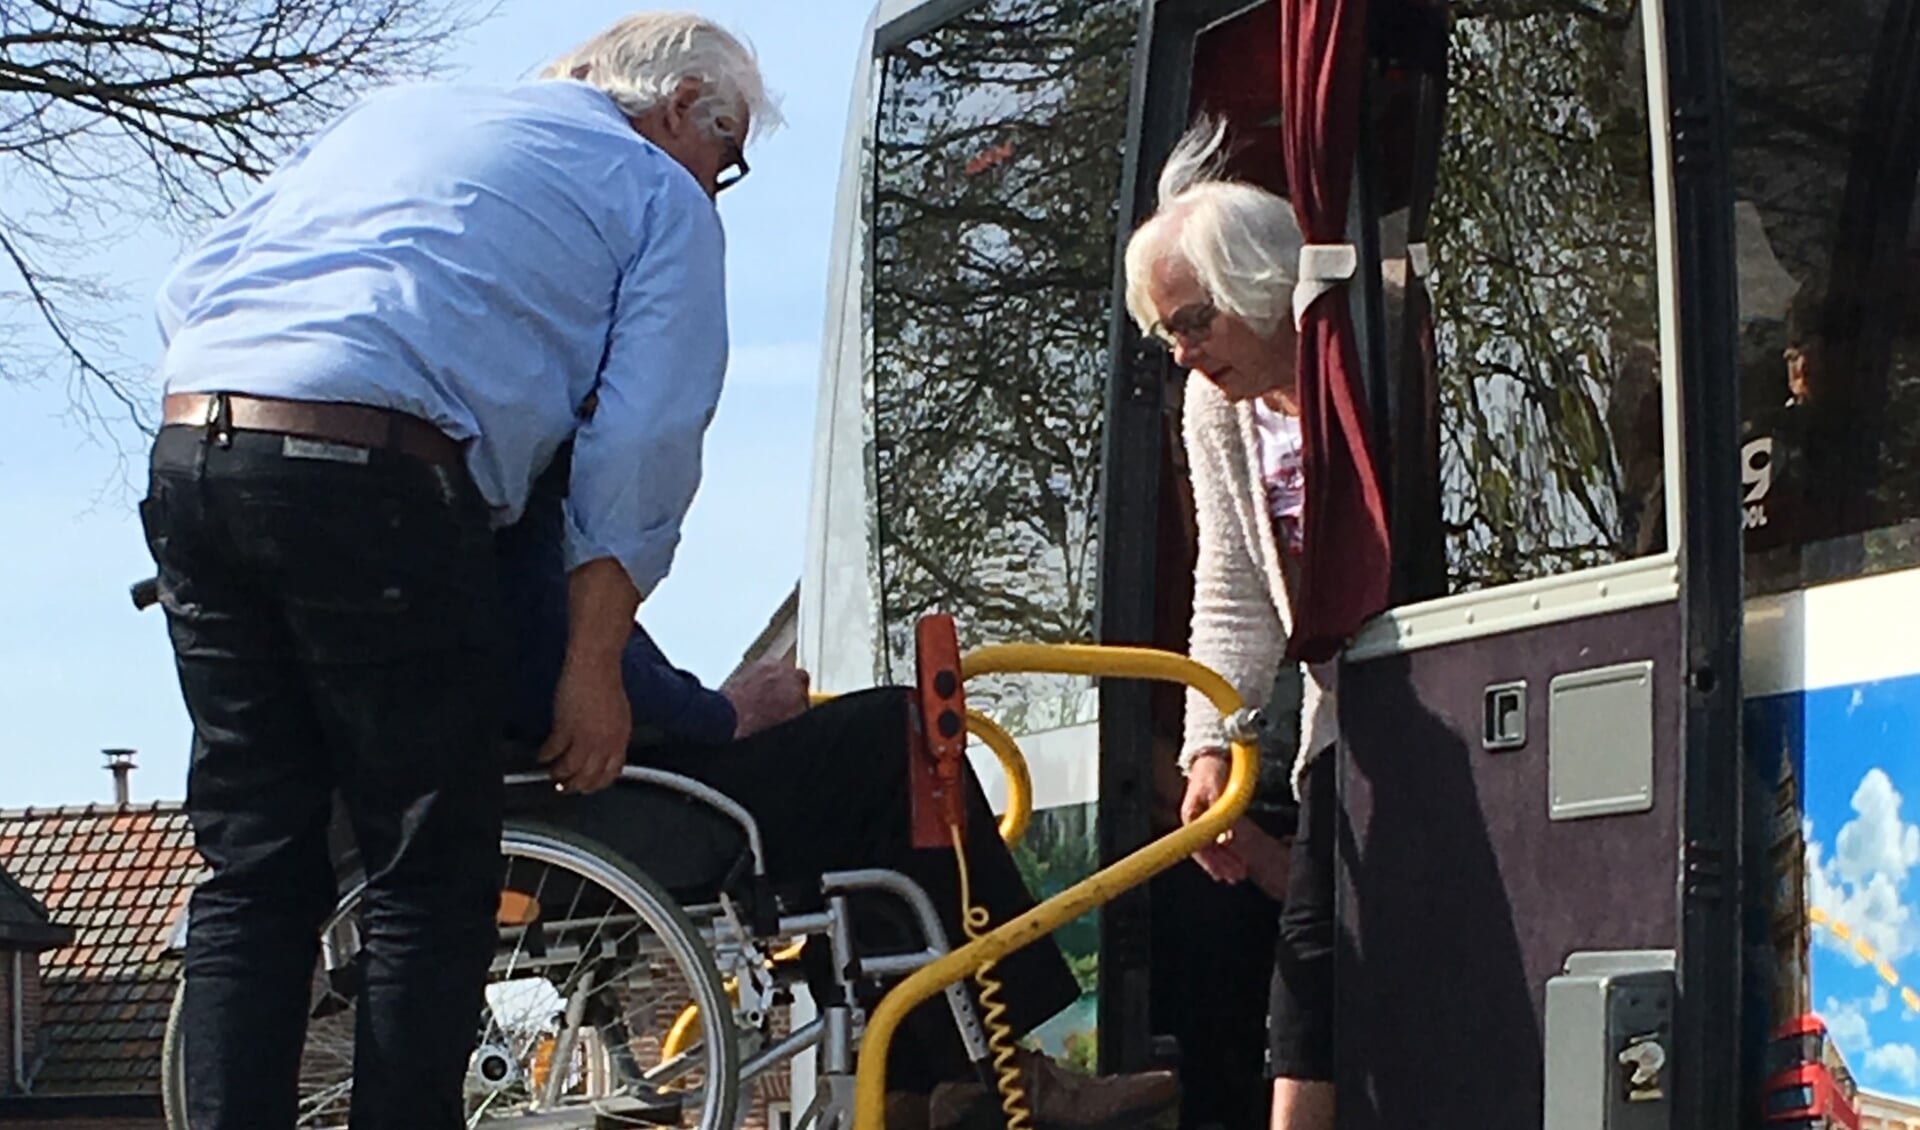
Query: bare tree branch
(115, 114)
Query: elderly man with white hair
(367, 366)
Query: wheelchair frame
(712, 940)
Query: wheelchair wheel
(594, 963)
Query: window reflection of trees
(997, 167)
(1544, 286)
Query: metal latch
(1645, 1061)
(1506, 716)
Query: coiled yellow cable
(993, 1010)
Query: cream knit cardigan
(1241, 612)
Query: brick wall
(772, 1089)
(29, 992)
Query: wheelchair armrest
(145, 594)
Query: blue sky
(81, 671)
(1863, 845)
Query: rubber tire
(654, 901)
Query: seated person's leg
(829, 790)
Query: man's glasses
(734, 170)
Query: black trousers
(1212, 940)
(1300, 1012)
(334, 619)
(829, 792)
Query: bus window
(997, 158)
(1825, 155)
(997, 166)
(1540, 266)
(1790, 1100)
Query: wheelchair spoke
(592, 966)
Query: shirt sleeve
(672, 700)
(636, 462)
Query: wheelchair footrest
(629, 1111)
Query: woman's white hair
(642, 60)
(1241, 241)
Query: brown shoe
(906, 1111)
(1061, 1099)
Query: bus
(1636, 313)
(1808, 1084)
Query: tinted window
(997, 168)
(1788, 1100)
(1826, 153)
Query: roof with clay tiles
(118, 878)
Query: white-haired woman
(1211, 274)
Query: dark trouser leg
(424, 794)
(1211, 941)
(257, 794)
(365, 593)
(1301, 1011)
(829, 790)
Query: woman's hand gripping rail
(1103, 886)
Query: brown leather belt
(356, 425)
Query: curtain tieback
(1323, 266)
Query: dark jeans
(1301, 1010)
(335, 625)
(829, 792)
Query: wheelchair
(632, 987)
(613, 1000)
(610, 1002)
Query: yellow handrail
(1013, 825)
(1013, 822)
(870, 1082)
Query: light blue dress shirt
(483, 258)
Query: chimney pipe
(120, 764)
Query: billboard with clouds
(1851, 753)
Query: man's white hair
(1241, 241)
(642, 60)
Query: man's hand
(765, 693)
(592, 722)
(591, 726)
(1206, 780)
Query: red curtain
(1346, 567)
